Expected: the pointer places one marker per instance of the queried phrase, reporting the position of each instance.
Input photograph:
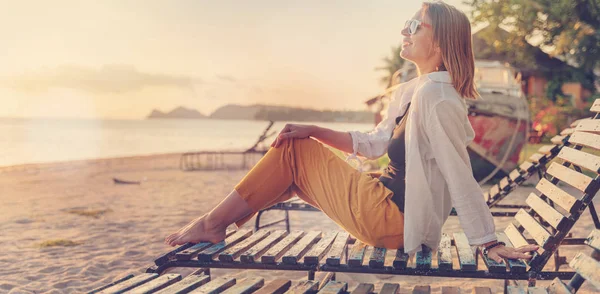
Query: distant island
(179, 112)
(267, 112)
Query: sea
(39, 140)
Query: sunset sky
(122, 58)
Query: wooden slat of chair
(549, 149)
(558, 139)
(96, 290)
(567, 131)
(466, 257)
(326, 279)
(334, 287)
(537, 158)
(514, 265)
(527, 167)
(450, 290)
(188, 252)
(445, 253)
(595, 106)
(580, 158)
(482, 290)
(516, 176)
(561, 198)
(587, 267)
(505, 184)
(230, 254)
(189, 283)
(215, 286)
(537, 231)
(259, 249)
(129, 284)
(559, 287)
(576, 122)
(536, 290)
(401, 259)
(208, 254)
(421, 290)
(298, 250)
(277, 251)
(363, 288)
(585, 139)
(570, 176)
(593, 240)
(191, 252)
(246, 286)
(165, 257)
(515, 237)
(516, 290)
(547, 212)
(492, 265)
(389, 288)
(357, 254)
(278, 286)
(377, 258)
(305, 287)
(423, 258)
(320, 249)
(156, 284)
(338, 249)
(494, 191)
(590, 125)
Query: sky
(119, 59)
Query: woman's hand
(499, 252)
(293, 131)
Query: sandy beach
(67, 228)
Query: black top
(394, 175)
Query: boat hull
(500, 124)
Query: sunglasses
(413, 25)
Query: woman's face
(418, 47)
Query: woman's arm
(335, 139)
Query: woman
(425, 132)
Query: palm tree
(391, 65)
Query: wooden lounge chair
(332, 252)
(215, 160)
(200, 281)
(534, 165)
(337, 252)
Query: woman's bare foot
(198, 230)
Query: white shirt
(438, 168)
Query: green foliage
(392, 64)
(568, 28)
(554, 116)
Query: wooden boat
(500, 118)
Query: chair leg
(556, 260)
(287, 221)
(257, 221)
(594, 215)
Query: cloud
(107, 79)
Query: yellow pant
(356, 201)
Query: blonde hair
(452, 33)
